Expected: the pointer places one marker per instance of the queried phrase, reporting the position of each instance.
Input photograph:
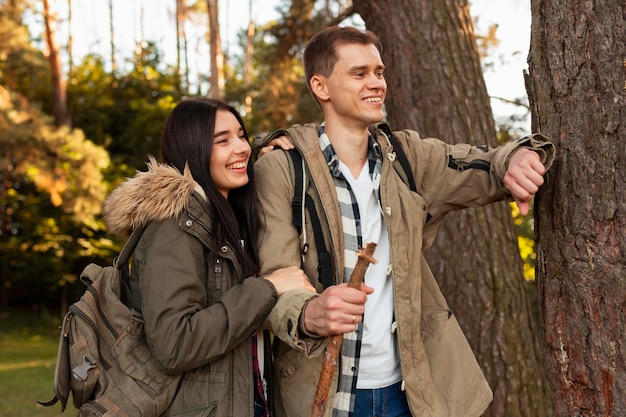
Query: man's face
(355, 91)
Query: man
(404, 353)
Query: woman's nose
(242, 146)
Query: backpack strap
(300, 196)
(301, 184)
(121, 264)
(401, 163)
(129, 247)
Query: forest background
(56, 168)
(72, 126)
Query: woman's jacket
(199, 311)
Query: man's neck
(350, 145)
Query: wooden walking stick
(331, 355)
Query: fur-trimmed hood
(157, 194)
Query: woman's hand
(281, 142)
(290, 278)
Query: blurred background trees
(72, 127)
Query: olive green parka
(199, 311)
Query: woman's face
(230, 154)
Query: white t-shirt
(379, 364)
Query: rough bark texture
(436, 87)
(577, 95)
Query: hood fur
(157, 194)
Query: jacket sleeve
(451, 177)
(182, 331)
(279, 247)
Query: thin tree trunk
(179, 26)
(59, 92)
(436, 86)
(577, 91)
(112, 37)
(70, 39)
(249, 51)
(217, 57)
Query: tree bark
(577, 92)
(436, 86)
(59, 91)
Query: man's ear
(318, 87)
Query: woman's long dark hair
(187, 139)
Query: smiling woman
(194, 270)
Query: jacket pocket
(199, 392)
(297, 377)
(460, 384)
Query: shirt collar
(373, 154)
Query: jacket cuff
(535, 142)
(540, 144)
(285, 322)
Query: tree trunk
(182, 12)
(217, 57)
(577, 93)
(59, 91)
(112, 37)
(70, 39)
(436, 86)
(248, 62)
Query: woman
(193, 272)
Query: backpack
(103, 357)
(300, 196)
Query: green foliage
(23, 68)
(125, 113)
(277, 90)
(51, 197)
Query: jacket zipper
(462, 166)
(218, 274)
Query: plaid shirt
(353, 240)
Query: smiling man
(404, 353)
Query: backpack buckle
(135, 326)
(80, 372)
